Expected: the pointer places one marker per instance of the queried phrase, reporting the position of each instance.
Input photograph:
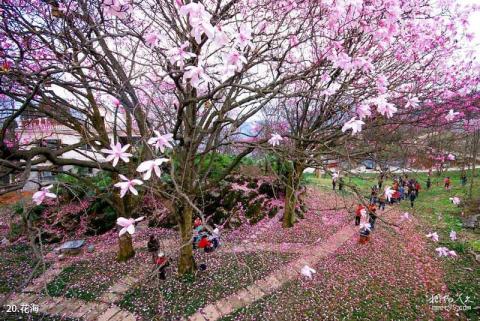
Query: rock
(72, 247)
(90, 248)
(472, 221)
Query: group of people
(402, 188)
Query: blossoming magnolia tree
(382, 65)
(146, 83)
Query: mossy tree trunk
(293, 182)
(186, 263)
(126, 250)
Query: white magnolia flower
(117, 152)
(451, 115)
(128, 185)
(275, 140)
(354, 124)
(128, 224)
(161, 141)
(453, 235)
(455, 200)
(307, 271)
(40, 196)
(389, 193)
(433, 236)
(151, 165)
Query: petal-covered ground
(226, 273)
(392, 277)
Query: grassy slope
(437, 213)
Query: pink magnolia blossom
(412, 102)
(117, 152)
(433, 236)
(451, 115)
(128, 224)
(128, 185)
(363, 111)
(307, 272)
(152, 39)
(354, 124)
(220, 39)
(443, 251)
(161, 141)
(151, 165)
(177, 56)
(451, 157)
(40, 196)
(234, 61)
(199, 20)
(453, 235)
(455, 200)
(275, 139)
(115, 101)
(384, 107)
(195, 74)
(116, 8)
(382, 84)
(244, 36)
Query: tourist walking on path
(372, 211)
(463, 178)
(447, 183)
(413, 196)
(358, 214)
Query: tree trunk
(186, 263)
(126, 250)
(475, 143)
(293, 181)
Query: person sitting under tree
(162, 263)
(153, 246)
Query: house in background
(35, 129)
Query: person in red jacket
(446, 181)
(358, 213)
(162, 263)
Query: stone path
(275, 280)
(298, 248)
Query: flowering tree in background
(382, 65)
